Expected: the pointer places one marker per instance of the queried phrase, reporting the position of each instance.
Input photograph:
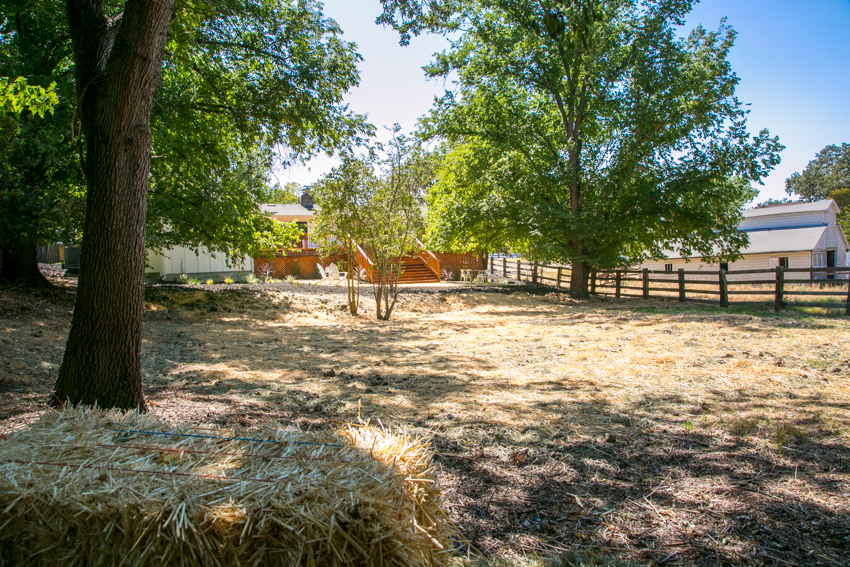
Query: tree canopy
(826, 177)
(241, 81)
(588, 132)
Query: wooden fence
(781, 285)
(298, 266)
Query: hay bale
(96, 488)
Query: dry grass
(647, 430)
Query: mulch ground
(659, 434)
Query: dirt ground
(654, 432)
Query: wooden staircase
(414, 268)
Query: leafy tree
(826, 177)
(343, 194)
(41, 185)
(238, 78)
(289, 194)
(830, 170)
(117, 61)
(242, 78)
(378, 210)
(464, 214)
(599, 136)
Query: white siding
(831, 232)
(182, 260)
(750, 262)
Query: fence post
(780, 288)
(504, 267)
(558, 284)
(681, 284)
(593, 281)
(646, 283)
(518, 271)
(847, 307)
(534, 273)
(619, 280)
(724, 289)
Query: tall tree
(241, 78)
(117, 59)
(826, 177)
(600, 134)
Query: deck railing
(429, 258)
(363, 260)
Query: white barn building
(792, 235)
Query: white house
(203, 264)
(792, 235)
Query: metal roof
(791, 208)
(775, 241)
(286, 210)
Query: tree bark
(117, 65)
(578, 280)
(20, 265)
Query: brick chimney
(306, 198)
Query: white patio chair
(322, 273)
(336, 276)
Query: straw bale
(85, 487)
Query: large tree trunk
(20, 265)
(579, 279)
(117, 63)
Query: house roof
(777, 240)
(784, 240)
(286, 210)
(791, 208)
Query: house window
(668, 268)
(819, 259)
(724, 266)
(783, 262)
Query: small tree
(381, 212)
(340, 216)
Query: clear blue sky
(792, 57)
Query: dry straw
(93, 488)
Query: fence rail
(714, 287)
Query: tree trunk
(117, 64)
(578, 280)
(20, 265)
